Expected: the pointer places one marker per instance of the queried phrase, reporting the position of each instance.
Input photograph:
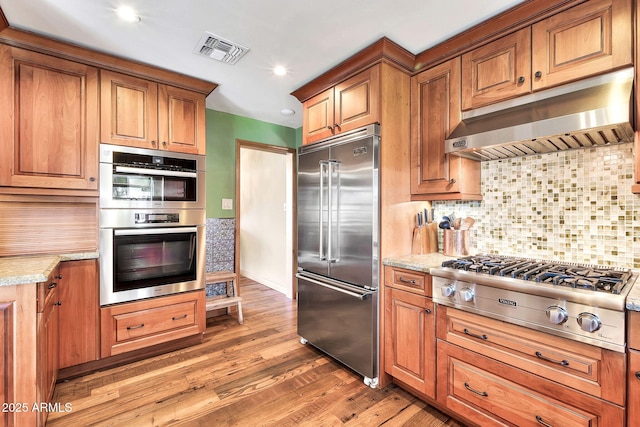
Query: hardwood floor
(255, 374)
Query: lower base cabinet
(410, 340)
(132, 326)
(633, 388)
(488, 392)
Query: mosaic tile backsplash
(574, 206)
(220, 253)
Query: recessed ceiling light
(128, 14)
(287, 112)
(279, 70)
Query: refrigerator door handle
(359, 295)
(334, 192)
(324, 165)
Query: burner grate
(580, 276)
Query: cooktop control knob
(448, 290)
(556, 315)
(589, 322)
(467, 294)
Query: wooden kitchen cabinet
(410, 340)
(141, 113)
(140, 324)
(530, 373)
(497, 71)
(633, 368)
(48, 320)
(49, 124)
(435, 112)
(589, 39)
(349, 105)
(409, 335)
(78, 292)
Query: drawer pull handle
(541, 421)
(52, 285)
(481, 393)
(559, 362)
(471, 334)
(403, 280)
(428, 311)
(141, 325)
(179, 317)
(638, 375)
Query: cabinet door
(78, 293)
(435, 112)
(48, 128)
(588, 39)
(356, 101)
(317, 122)
(48, 325)
(633, 388)
(410, 351)
(497, 71)
(129, 110)
(181, 120)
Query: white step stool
(217, 302)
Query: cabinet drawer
(583, 367)
(412, 281)
(147, 322)
(489, 392)
(506, 400)
(132, 326)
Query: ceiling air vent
(220, 49)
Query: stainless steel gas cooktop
(577, 301)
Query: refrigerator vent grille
(220, 49)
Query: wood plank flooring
(255, 374)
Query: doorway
(265, 215)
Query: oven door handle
(143, 231)
(159, 172)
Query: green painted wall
(222, 131)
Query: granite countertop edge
(425, 262)
(20, 270)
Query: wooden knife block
(425, 239)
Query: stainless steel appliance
(148, 253)
(338, 254)
(152, 223)
(577, 301)
(141, 178)
(591, 112)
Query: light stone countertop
(423, 262)
(20, 270)
(427, 261)
(633, 298)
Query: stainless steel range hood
(590, 112)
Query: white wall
(265, 218)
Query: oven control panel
(156, 218)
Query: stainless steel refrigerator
(338, 253)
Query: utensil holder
(456, 242)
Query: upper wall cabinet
(141, 113)
(591, 38)
(347, 106)
(435, 112)
(49, 121)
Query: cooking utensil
(467, 223)
(457, 223)
(444, 224)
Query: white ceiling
(308, 37)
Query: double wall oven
(152, 223)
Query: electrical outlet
(227, 204)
